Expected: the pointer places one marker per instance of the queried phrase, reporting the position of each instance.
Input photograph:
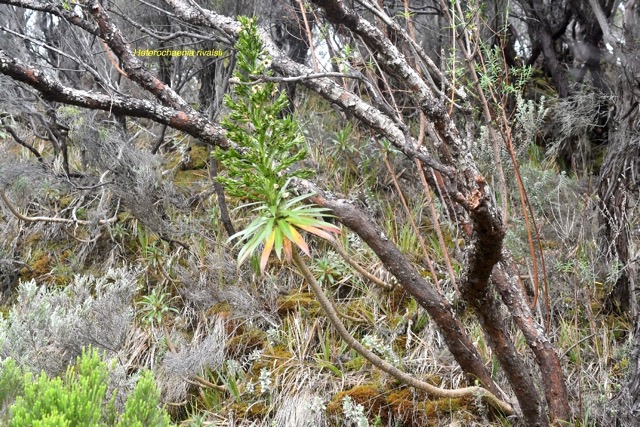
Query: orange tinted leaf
(267, 251)
(287, 249)
(299, 240)
(317, 232)
(329, 227)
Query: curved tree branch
(25, 218)
(53, 90)
(408, 277)
(383, 365)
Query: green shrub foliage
(79, 399)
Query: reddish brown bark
(53, 90)
(484, 253)
(553, 380)
(468, 189)
(460, 180)
(133, 66)
(408, 277)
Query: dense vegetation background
(337, 213)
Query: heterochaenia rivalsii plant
(260, 170)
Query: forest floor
(230, 346)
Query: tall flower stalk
(260, 169)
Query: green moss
(400, 406)
(294, 302)
(185, 178)
(354, 364)
(38, 266)
(401, 400)
(550, 244)
(199, 157)
(65, 201)
(620, 369)
(172, 159)
(32, 238)
(273, 358)
(358, 308)
(400, 344)
(220, 308)
(432, 408)
(250, 410)
(398, 299)
(124, 216)
(370, 396)
(619, 326)
(247, 341)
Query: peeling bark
(53, 90)
(464, 189)
(484, 250)
(551, 373)
(408, 277)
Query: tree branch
(409, 278)
(25, 218)
(53, 90)
(23, 143)
(380, 363)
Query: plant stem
(332, 314)
(343, 253)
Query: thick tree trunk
(504, 278)
(619, 173)
(405, 272)
(618, 186)
(459, 179)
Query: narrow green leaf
(278, 242)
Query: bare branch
(24, 143)
(301, 78)
(409, 278)
(332, 314)
(47, 46)
(25, 218)
(53, 90)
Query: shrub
(47, 328)
(80, 398)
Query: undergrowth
(249, 345)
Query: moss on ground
(298, 301)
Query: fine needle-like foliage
(80, 398)
(260, 168)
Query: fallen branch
(57, 220)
